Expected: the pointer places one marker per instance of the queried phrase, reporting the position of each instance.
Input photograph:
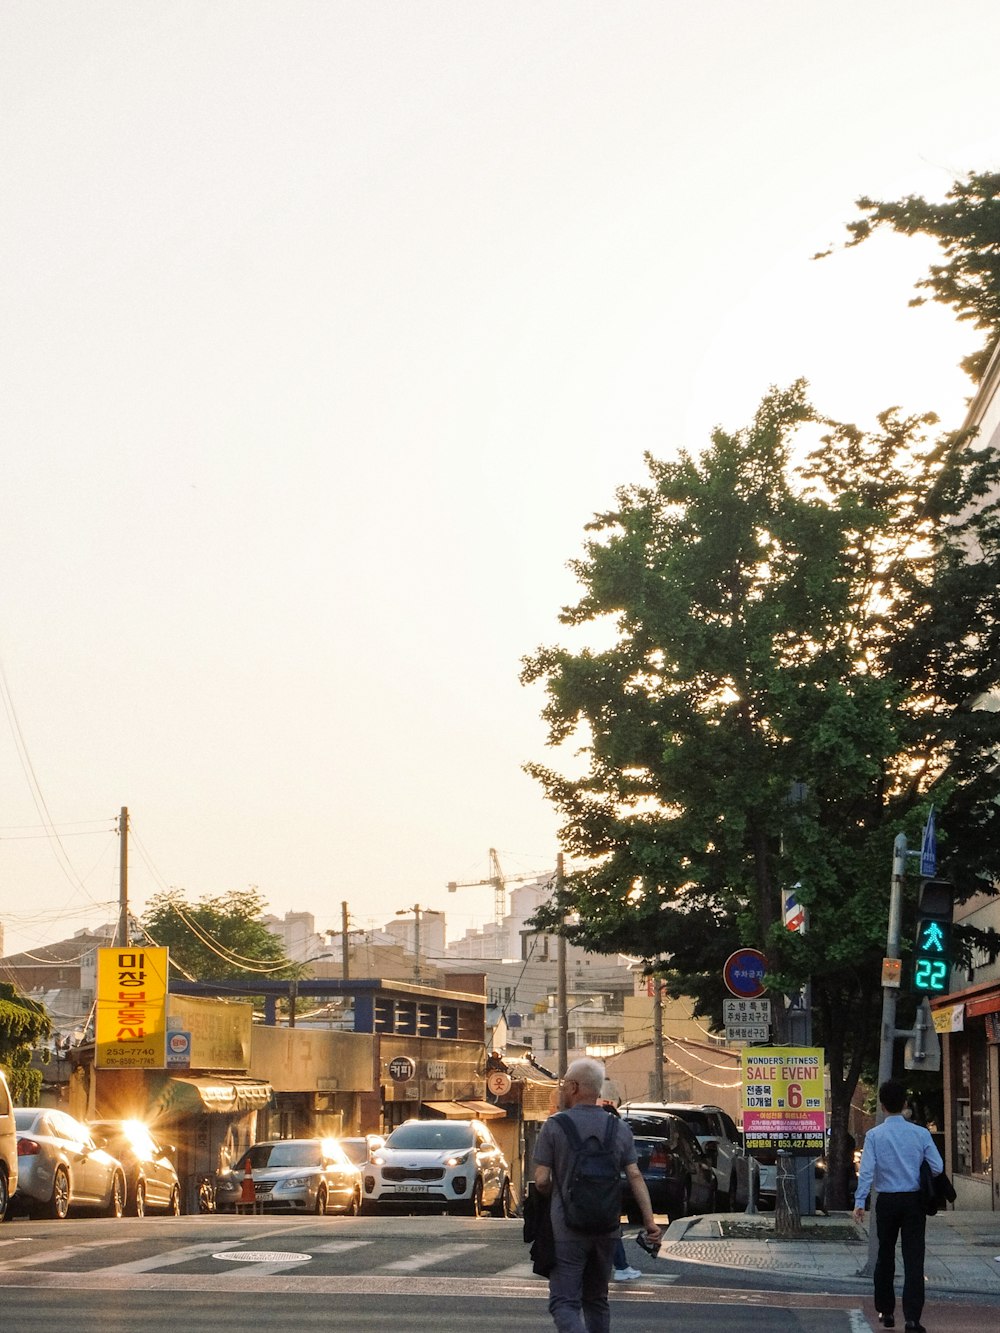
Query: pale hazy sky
(325, 329)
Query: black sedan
(677, 1172)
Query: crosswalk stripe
(428, 1257)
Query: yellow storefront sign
(131, 1008)
(784, 1103)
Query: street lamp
(417, 911)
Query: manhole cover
(261, 1256)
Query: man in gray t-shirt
(578, 1283)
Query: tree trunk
(787, 1219)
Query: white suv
(455, 1164)
(720, 1138)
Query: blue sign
(928, 848)
(744, 973)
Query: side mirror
(712, 1153)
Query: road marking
(341, 1246)
(155, 1261)
(270, 1257)
(429, 1257)
(858, 1322)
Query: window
(973, 1139)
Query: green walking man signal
(932, 954)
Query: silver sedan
(61, 1167)
(293, 1175)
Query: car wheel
(682, 1206)
(354, 1207)
(174, 1207)
(116, 1205)
(59, 1203)
(321, 1201)
(137, 1204)
(503, 1205)
(474, 1206)
(4, 1195)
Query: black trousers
(900, 1216)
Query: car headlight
(294, 1183)
(458, 1159)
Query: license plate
(411, 1189)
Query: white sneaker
(626, 1274)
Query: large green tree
(218, 937)
(966, 226)
(23, 1024)
(799, 641)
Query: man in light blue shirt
(891, 1161)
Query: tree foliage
(797, 656)
(23, 1024)
(966, 225)
(216, 938)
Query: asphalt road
(210, 1274)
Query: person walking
(578, 1281)
(890, 1160)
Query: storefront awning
(205, 1093)
(467, 1110)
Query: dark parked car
(679, 1176)
(293, 1175)
(61, 1167)
(719, 1137)
(151, 1179)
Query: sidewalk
(962, 1249)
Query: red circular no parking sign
(744, 973)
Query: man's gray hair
(588, 1073)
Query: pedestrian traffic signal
(932, 954)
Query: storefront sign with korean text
(131, 1008)
(784, 1104)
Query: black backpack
(592, 1193)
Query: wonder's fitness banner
(131, 1008)
(784, 1105)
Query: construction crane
(499, 882)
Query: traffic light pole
(890, 993)
(887, 1038)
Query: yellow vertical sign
(131, 1008)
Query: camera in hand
(652, 1247)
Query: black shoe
(887, 1320)
(915, 1328)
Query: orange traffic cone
(248, 1195)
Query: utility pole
(121, 935)
(345, 944)
(563, 1015)
(658, 1091)
(417, 910)
(887, 1035)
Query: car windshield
(282, 1154)
(356, 1150)
(698, 1122)
(432, 1135)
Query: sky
(326, 328)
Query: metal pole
(562, 1015)
(121, 936)
(345, 947)
(887, 1037)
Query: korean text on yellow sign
(131, 1008)
(784, 1104)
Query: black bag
(936, 1191)
(592, 1194)
(538, 1232)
